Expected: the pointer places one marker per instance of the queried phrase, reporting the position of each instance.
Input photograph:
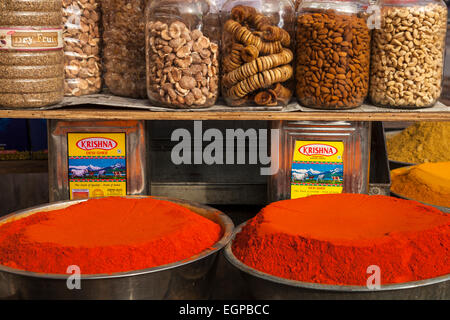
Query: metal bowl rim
(231, 258)
(225, 222)
(443, 209)
(402, 163)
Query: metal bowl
(443, 209)
(393, 164)
(187, 279)
(266, 286)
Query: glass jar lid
(336, 5)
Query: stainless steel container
(187, 279)
(342, 166)
(266, 286)
(443, 209)
(394, 164)
(397, 164)
(131, 152)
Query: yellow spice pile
(420, 143)
(428, 182)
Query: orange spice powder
(106, 236)
(333, 239)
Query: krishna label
(317, 168)
(97, 165)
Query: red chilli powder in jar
(333, 239)
(106, 236)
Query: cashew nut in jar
(412, 35)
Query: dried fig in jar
(257, 42)
(407, 60)
(124, 47)
(82, 61)
(333, 55)
(31, 53)
(182, 52)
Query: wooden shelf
(108, 107)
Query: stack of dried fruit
(124, 47)
(408, 55)
(182, 66)
(333, 53)
(82, 47)
(257, 60)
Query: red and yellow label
(317, 168)
(97, 165)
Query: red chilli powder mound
(333, 239)
(106, 236)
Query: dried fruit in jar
(183, 66)
(81, 20)
(333, 58)
(124, 47)
(257, 58)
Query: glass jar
(445, 98)
(257, 52)
(182, 52)
(124, 47)
(319, 158)
(31, 53)
(82, 47)
(408, 54)
(333, 54)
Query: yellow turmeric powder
(420, 143)
(428, 182)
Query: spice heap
(333, 55)
(106, 236)
(257, 61)
(408, 56)
(421, 142)
(428, 182)
(333, 239)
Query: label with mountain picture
(317, 168)
(97, 165)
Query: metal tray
(187, 279)
(399, 164)
(394, 164)
(443, 209)
(266, 286)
